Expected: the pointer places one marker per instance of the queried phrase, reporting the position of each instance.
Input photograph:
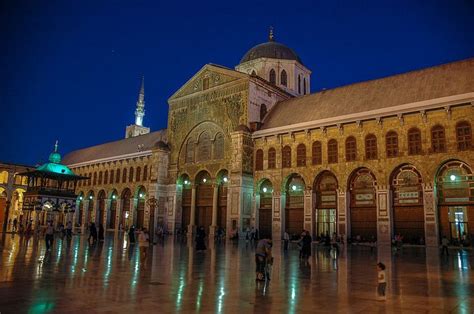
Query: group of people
(95, 234)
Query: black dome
(271, 49)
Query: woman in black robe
(200, 236)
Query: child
(382, 282)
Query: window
(106, 177)
(391, 141)
(205, 83)
(259, 160)
(463, 135)
(94, 181)
(351, 148)
(304, 86)
(283, 78)
(317, 153)
(371, 147)
(332, 151)
(286, 157)
(138, 175)
(190, 150)
(111, 179)
(271, 158)
(100, 177)
(204, 147)
(117, 177)
(272, 76)
(299, 84)
(130, 175)
(438, 139)
(219, 146)
(90, 178)
(145, 173)
(301, 155)
(414, 141)
(254, 73)
(124, 176)
(263, 111)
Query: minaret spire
(271, 37)
(140, 111)
(56, 146)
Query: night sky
(70, 70)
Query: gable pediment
(208, 77)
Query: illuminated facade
(12, 188)
(252, 147)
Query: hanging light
(264, 190)
(90, 197)
(225, 179)
(293, 187)
(186, 182)
(204, 180)
(452, 177)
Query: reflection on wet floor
(108, 277)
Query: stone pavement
(77, 277)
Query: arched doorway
(265, 210)
(455, 185)
(325, 211)
(126, 202)
(222, 181)
(140, 213)
(113, 210)
(90, 207)
(363, 206)
(100, 208)
(408, 211)
(80, 207)
(185, 183)
(3, 199)
(204, 195)
(294, 209)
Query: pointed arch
(204, 147)
(219, 146)
(283, 78)
(272, 76)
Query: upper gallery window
(438, 139)
(272, 77)
(351, 148)
(219, 146)
(204, 147)
(463, 135)
(271, 158)
(317, 153)
(371, 147)
(391, 142)
(414, 141)
(286, 157)
(283, 78)
(259, 160)
(332, 151)
(301, 155)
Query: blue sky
(70, 70)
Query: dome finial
(56, 146)
(270, 35)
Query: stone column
(384, 212)
(214, 211)
(85, 215)
(431, 219)
(192, 219)
(105, 214)
(342, 215)
(277, 224)
(308, 202)
(255, 207)
(118, 212)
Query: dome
(55, 158)
(270, 49)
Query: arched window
(301, 155)
(371, 147)
(145, 173)
(304, 86)
(463, 135)
(351, 148)
(94, 181)
(286, 157)
(391, 142)
(254, 73)
(271, 158)
(190, 150)
(283, 78)
(259, 160)
(299, 84)
(263, 111)
(130, 175)
(138, 175)
(100, 177)
(111, 179)
(205, 83)
(414, 141)
(219, 146)
(124, 176)
(106, 177)
(117, 177)
(438, 139)
(317, 153)
(332, 151)
(272, 76)
(204, 147)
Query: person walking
(49, 235)
(92, 233)
(263, 255)
(143, 244)
(69, 229)
(286, 240)
(444, 245)
(306, 246)
(200, 236)
(381, 281)
(131, 235)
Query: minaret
(140, 111)
(138, 128)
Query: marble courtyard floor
(107, 277)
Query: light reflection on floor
(108, 277)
